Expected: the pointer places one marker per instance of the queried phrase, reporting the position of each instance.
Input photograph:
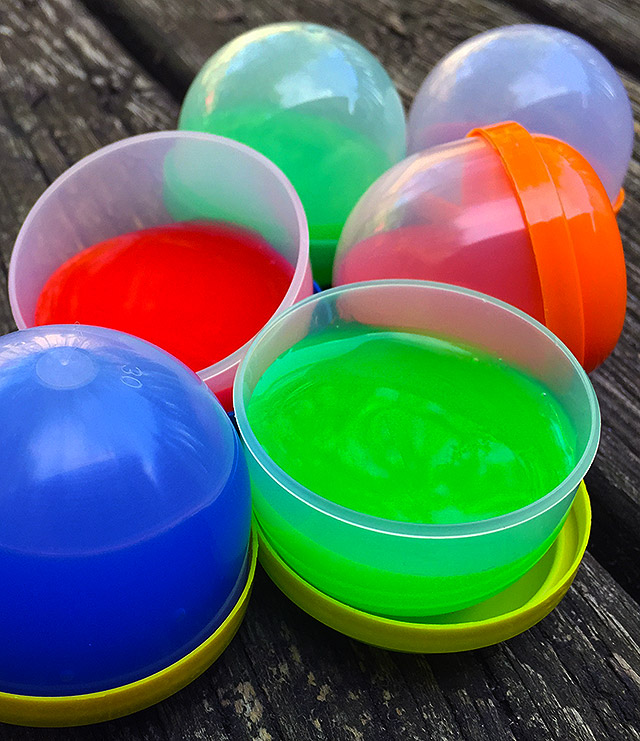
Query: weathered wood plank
(410, 36)
(66, 88)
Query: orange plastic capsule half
(574, 237)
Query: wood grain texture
(409, 36)
(66, 88)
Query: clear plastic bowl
(152, 180)
(546, 79)
(402, 569)
(124, 512)
(315, 102)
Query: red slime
(198, 290)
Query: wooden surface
(74, 77)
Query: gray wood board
(409, 36)
(66, 88)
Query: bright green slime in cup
(329, 164)
(410, 427)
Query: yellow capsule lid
(503, 616)
(95, 707)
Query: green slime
(411, 427)
(329, 164)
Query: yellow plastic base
(79, 710)
(503, 616)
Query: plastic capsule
(518, 216)
(316, 103)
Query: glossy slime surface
(410, 427)
(198, 290)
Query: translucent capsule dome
(548, 80)
(517, 216)
(124, 511)
(316, 103)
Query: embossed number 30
(131, 376)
